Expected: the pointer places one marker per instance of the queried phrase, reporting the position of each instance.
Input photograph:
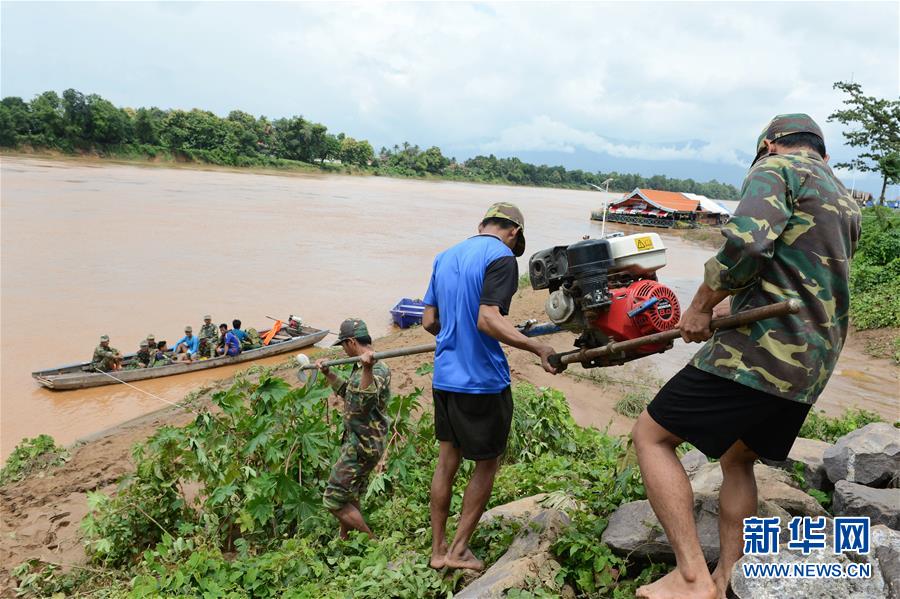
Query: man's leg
(351, 519)
(672, 498)
(478, 491)
(441, 491)
(737, 500)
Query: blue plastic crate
(408, 312)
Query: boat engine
(606, 290)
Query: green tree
(876, 124)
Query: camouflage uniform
(365, 428)
(792, 237)
(141, 357)
(158, 358)
(209, 339)
(104, 358)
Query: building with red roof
(655, 208)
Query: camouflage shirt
(792, 236)
(209, 331)
(103, 354)
(365, 410)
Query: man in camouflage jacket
(106, 358)
(209, 338)
(365, 394)
(748, 390)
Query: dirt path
(41, 514)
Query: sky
(674, 88)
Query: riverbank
(42, 512)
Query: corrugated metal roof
(670, 201)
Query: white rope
(171, 403)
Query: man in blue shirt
(471, 288)
(239, 333)
(231, 346)
(187, 345)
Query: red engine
(643, 308)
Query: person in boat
(159, 357)
(365, 393)
(106, 358)
(142, 356)
(209, 338)
(188, 346)
(151, 342)
(241, 334)
(230, 345)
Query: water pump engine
(606, 290)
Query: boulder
(831, 588)
(634, 529)
(521, 509)
(885, 546)
(811, 454)
(772, 484)
(868, 456)
(528, 557)
(882, 506)
(693, 460)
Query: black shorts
(477, 423)
(711, 413)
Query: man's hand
(320, 364)
(544, 352)
(367, 359)
(694, 325)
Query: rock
(810, 453)
(820, 588)
(634, 529)
(868, 456)
(772, 485)
(885, 546)
(521, 508)
(693, 460)
(881, 505)
(527, 557)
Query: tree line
(74, 122)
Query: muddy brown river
(91, 249)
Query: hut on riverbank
(655, 208)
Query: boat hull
(75, 377)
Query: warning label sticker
(643, 243)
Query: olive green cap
(207, 317)
(151, 336)
(144, 343)
(786, 124)
(512, 213)
(188, 329)
(104, 338)
(352, 328)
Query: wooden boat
(82, 375)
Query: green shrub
(31, 455)
(826, 428)
(541, 424)
(877, 307)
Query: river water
(91, 249)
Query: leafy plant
(825, 428)
(31, 455)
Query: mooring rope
(154, 396)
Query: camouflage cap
(786, 124)
(151, 336)
(188, 329)
(104, 338)
(144, 343)
(352, 328)
(510, 212)
(207, 317)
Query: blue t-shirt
(232, 345)
(480, 270)
(240, 334)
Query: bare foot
(674, 586)
(466, 561)
(438, 555)
(721, 577)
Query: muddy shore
(41, 514)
